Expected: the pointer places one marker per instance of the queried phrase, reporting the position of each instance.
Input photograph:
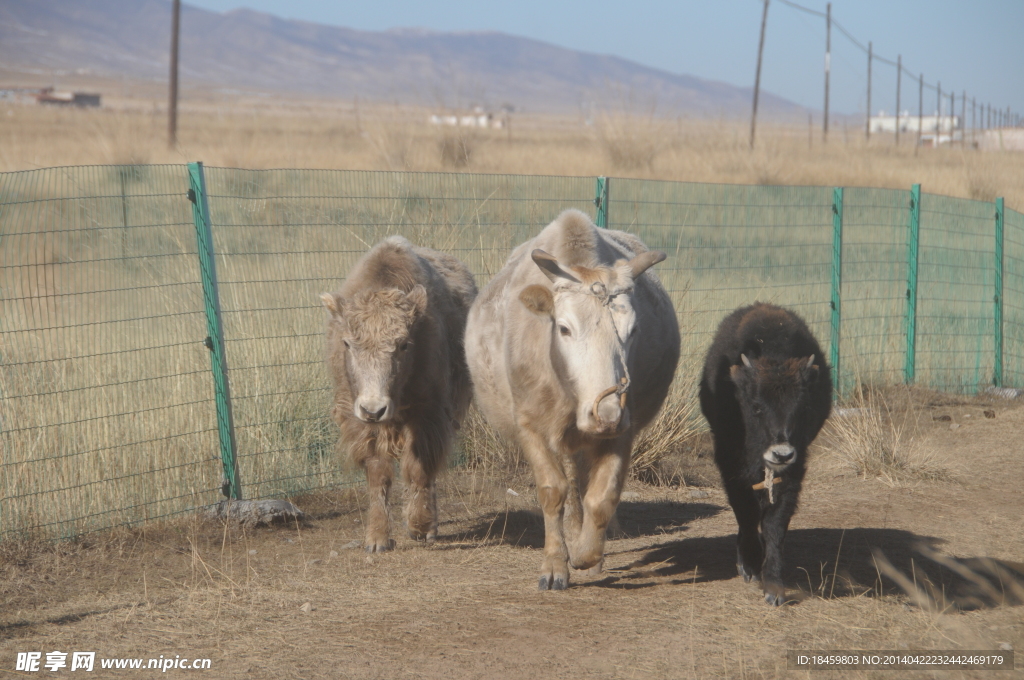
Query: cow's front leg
(774, 524)
(419, 470)
(552, 489)
(749, 551)
(608, 466)
(379, 476)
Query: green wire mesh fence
(106, 412)
(107, 408)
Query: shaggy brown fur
(401, 386)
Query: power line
(803, 9)
(898, 65)
(849, 36)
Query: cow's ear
(548, 264)
(334, 303)
(738, 372)
(644, 261)
(418, 297)
(538, 300)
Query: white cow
(572, 349)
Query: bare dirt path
(669, 604)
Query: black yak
(766, 391)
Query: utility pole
(938, 112)
(172, 105)
(899, 74)
(963, 119)
(920, 109)
(868, 127)
(757, 76)
(952, 116)
(828, 64)
(974, 120)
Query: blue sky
(977, 46)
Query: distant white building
(1004, 139)
(909, 122)
(478, 118)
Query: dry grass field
(302, 601)
(927, 478)
(252, 132)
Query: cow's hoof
(380, 546)
(596, 569)
(747, 574)
(427, 538)
(775, 596)
(552, 583)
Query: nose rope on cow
(770, 480)
(621, 389)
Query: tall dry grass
(341, 135)
(874, 434)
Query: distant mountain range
(248, 50)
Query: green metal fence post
(231, 485)
(837, 281)
(997, 370)
(601, 201)
(912, 248)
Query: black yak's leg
(774, 524)
(749, 553)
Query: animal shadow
(525, 528)
(832, 563)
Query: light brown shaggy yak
(401, 385)
(572, 348)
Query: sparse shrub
(872, 434)
(980, 186)
(481, 448)
(456, 149)
(676, 425)
(631, 142)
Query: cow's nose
(780, 454)
(373, 410)
(373, 416)
(609, 411)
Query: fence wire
(107, 414)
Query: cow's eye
(564, 330)
(757, 410)
(404, 346)
(347, 346)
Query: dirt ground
(304, 601)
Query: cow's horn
(644, 261)
(746, 361)
(810, 362)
